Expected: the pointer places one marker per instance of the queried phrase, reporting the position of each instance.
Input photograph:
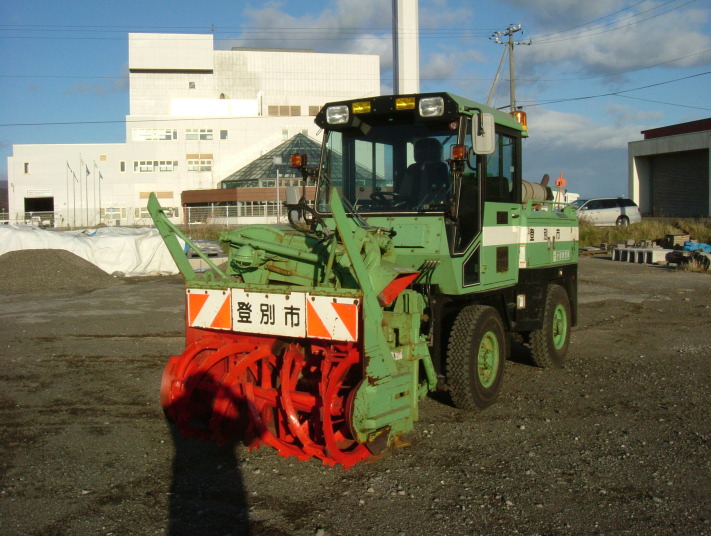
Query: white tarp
(116, 250)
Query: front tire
(549, 345)
(475, 357)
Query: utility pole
(510, 31)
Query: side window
(500, 170)
(594, 205)
(609, 203)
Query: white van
(608, 211)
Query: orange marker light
(298, 160)
(459, 152)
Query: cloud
(105, 87)
(590, 153)
(349, 26)
(357, 26)
(560, 129)
(605, 37)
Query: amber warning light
(520, 116)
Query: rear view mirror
(483, 134)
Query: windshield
(389, 168)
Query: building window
(199, 165)
(143, 166)
(102, 158)
(313, 110)
(223, 134)
(284, 111)
(113, 213)
(191, 85)
(198, 134)
(154, 134)
(122, 166)
(167, 165)
(149, 166)
(27, 168)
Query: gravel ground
(615, 443)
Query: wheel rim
(560, 327)
(488, 359)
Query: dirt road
(615, 443)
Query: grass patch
(698, 229)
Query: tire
(622, 221)
(476, 354)
(549, 345)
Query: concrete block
(640, 255)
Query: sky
(594, 75)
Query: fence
(220, 216)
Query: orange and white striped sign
(209, 308)
(291, 314)
(333, 318)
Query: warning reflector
(209, 309)
(333, 318)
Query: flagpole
(66, 202)
(86, 192)
(95, 188)
(81, 161)
(101, 178)
(74, 200)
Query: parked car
(608, 210)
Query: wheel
(549, 345)
(622, 221)
(475, 357)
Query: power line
(594, 20)
(590, 32)
(665, 103)
(614, 93)
(454, 79)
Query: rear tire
(622, 221)
(549, 345)
(475, 357)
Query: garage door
(680, 184)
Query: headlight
(431, 107)
(337, 115)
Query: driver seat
(427, 180)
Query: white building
(670, 170)
(196, 116)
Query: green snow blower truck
(422, 256)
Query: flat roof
(699, 125)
